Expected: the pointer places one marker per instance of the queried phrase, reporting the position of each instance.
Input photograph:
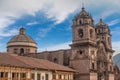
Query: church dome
(22, 37)
(22, 41)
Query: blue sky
(49, 22)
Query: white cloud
(4, 32)
(43, 31)
(56, 47)
(7, 33)
(4, 22)
(32, 23)
(113, 22)
(55, 9)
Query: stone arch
(80, 32)
(55, 60)
(22, 51)
(80, 22)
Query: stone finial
(83, 6)
(22, 31)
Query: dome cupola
(22, 43)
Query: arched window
(80, 33)
(21, 51)
(80, 22)
(55, 60)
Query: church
(90, 54)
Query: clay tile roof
(29, 62)
(6, 59)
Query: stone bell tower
(84, 46)
(104, 52)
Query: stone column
(28, 75)
(18, 76)
(9, 76)
(35, 75)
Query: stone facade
(91, 50)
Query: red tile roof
(29, 62)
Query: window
(21, 51)
(55, 60)
(38, 77)
(6, 74)
(60, 76)
(54, 76)
(1, 74)
(80, 33)
(15, 50)
(32, 76)
(80, 52)
(46, 77)
(80, 22)
(23, 75)
(93, 66)
(13, 75)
